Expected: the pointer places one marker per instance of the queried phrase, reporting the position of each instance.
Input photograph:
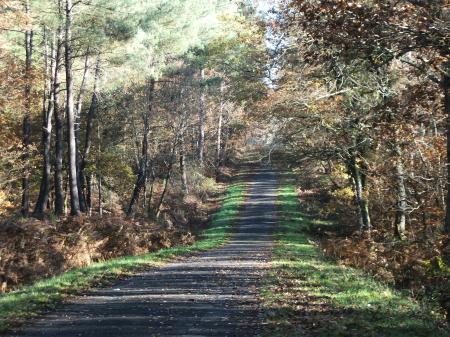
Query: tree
(87, 191)
(26, 119)
(137, 41)
(47, 116)
(382, 32)
(72, 149)
(59, 194)
(201, 118)
(143, 162)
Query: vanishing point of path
(214, 293)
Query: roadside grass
(308, 295)
(30, 301)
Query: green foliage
(119, 30)
(140, 38)
(239, 54)
(163, 31)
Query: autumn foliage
(360, 106)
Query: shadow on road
(214, 293)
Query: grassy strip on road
(31, 300)
(307, 295)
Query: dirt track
(214, 293)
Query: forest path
(213, 293)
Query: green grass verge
(309, 295)
(31, 300)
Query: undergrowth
(308, 295)
(29, 301)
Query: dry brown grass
(32, 249)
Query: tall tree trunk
(26, 118)
(82, 91)
(219, 129)
(400, 218)
(66, 194)
(88, 139)
(142, 172)
(72, 148)
(182, 132)
(226, 138)
(194, 139)
(141, 178)
(59, 147)
(152, 187)
(360, 194)
(100, 195)
(47, 112)
(89, 180)
(99, 174)
(144, 199)
(219, 140)
(445, 87)
(201, 117)
(184, 185)
(441, 181)
(79, 105)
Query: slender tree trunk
(137, 144)
(219, 140)
(82, 91)
(164, 191)
(150, 194)
(194, 139)
(46, 92)
(157, 211)
(72, 148)
(140, 182)
(89, 180)
(100, 196)
(26, 128)
(400, 223)
(79, 105)
(66, 195)
(201, 117)
(219, 129)
(136, 191)
(446, 86)
(142, 173)
(446, 89)
(144, 199)
(441, 181)
(59, 147)
(182, 132)
(226, 137)
(184, 185)
(360, 194)
(88, 139)
(41, 204)
(99, 174)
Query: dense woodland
(361, 109)
(112, 112)
(129, 114)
